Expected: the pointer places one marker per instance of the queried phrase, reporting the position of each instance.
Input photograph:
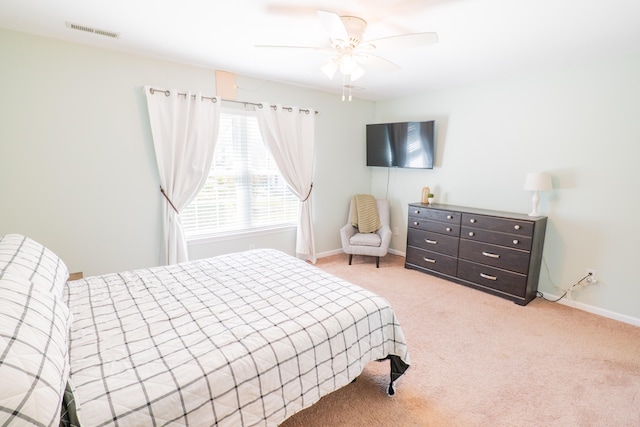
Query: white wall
(580, 124)
(77, 166)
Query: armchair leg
(377, 262)
(350, 258)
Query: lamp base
(534, 202)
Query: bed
(245, 339)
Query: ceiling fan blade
(333, 25)
(291, 10)
(405, 40)
(316, 48)
(373, 61)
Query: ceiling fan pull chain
(343, 81)
(350, 86)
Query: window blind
(244, 190)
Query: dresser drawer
(494, 278)
(431, 241)
(494, 255)
(503, 225)
(432, 261)
(435, 226)
(435, 214)
(510, 240)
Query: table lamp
(537, 181)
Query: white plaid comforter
(245, 339)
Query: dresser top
(478, 211)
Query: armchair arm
(385, 235)
(346, 232)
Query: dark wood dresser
(496, 252)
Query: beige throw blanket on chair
(365, 215)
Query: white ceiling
(478, 39)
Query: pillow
(33, 261)
(34, 368)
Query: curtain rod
(214, 99)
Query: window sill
(233, 235)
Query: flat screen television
(403, 145)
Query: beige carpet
(480, 360)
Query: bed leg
(377, 262)
(398, 367)
(391, 391)
(350, 258)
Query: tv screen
(405, 144)
(380, 148)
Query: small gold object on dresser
(425, 195)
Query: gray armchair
(370, 244)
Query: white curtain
(184, 127)
(289, 135)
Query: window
(244, 190)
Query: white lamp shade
(538, 181)
(329, 68)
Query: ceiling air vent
(98, 31)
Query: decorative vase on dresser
(496, 252)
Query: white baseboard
(339, 251)
(397, 252)
(595, 310)
(329, 253)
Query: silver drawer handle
(516, 241)
(471, 233)
(490, 255)
(449, 216)
(431, 242)
(416, 212)
(448, 228)
(486, 276)
(416, 223)
(472, 221)
(432, 261)
(517, 227)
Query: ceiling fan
(350, 51)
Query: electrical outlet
(591, 279)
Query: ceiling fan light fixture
(348, 64)
(329, 68)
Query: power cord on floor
(541, 295)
